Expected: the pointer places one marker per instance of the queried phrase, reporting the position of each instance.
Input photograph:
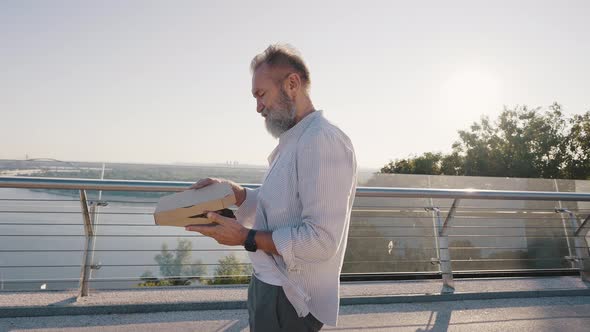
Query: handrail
(578, 251)
(472, 194)
(91, 184)
(173, 186)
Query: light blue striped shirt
(306, 200)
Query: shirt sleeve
(326, 171)
(246, 213)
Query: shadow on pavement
(418, 317)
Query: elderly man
(295, 225)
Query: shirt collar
(298, 129)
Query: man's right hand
(239, 191)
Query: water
(63, 218)
(386, 235)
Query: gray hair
(285, 56)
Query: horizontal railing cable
(350, 237)
(351, 226)
(122, 265)
(243, 250)
(497, 234)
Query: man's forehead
(264, 76)
(262, 73)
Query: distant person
(295, 225)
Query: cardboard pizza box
(177, 209)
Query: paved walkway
(525, 304)
(569, 314)
(349, 290)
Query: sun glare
(472, 90)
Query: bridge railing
(394, 233)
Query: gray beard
(281, 118)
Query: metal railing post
(581, 257)
(444, 256)
(94, 217)
(436, 227)
(562, 210)
(582, 249)
(93, 222)
(89, 233)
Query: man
(295, 225)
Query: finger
(201, 183)
(192, 228)
(198, 184)
(203, 229)
(215, 217)
(219, 219)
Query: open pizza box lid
(177, 209)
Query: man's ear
(293, 84)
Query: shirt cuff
(284, 244)
(248, 207)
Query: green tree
(175, 266)
(452, 164)
(522, 142)
(577, 145)
(231, 271)
(428, 163)
(165, 260)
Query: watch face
(250, 243)
(250, 246)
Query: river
(44, 221)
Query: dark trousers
(270, 310)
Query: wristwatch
(250, 243)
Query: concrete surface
(540, 314)
(212, 294)
(495, 304)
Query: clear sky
(168, 81)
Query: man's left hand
(224, 230)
